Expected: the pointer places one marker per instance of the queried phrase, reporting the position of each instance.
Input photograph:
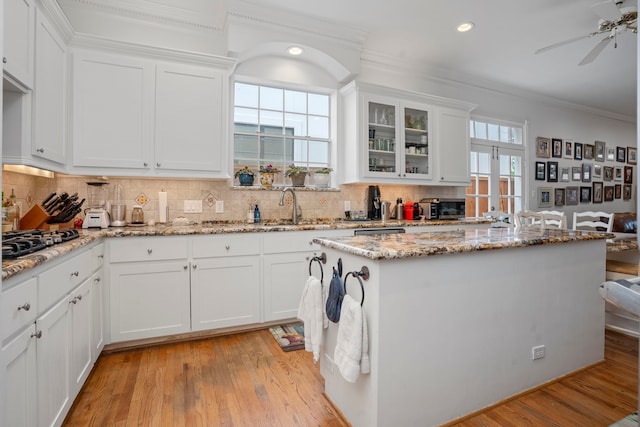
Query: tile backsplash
(315, 203)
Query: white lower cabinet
(81, 361)
(284, 278)
(52, 364)
(97, 315)
(149, 299)
(18, 363)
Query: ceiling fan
(615, 18)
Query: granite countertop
(394, 246)
(12, 267)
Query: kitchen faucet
(295, 203)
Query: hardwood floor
(246, 380)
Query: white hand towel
(310, 311)
(352, 347)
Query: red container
(408, 210)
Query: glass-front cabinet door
(399, 140)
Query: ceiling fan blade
(553, 46)
(607, 10)
(596, 51)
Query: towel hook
(321, 259)
(362, 274)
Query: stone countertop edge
(397, 246)
(13, 267)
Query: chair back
(554, 219)
(529, 219)
(593, 221)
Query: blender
(96, 215)
(118, 207)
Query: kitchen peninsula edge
(453, 318)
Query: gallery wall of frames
(581, 173)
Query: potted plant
(297, 175)
(267, 174)
(245, 176)
(321, 177)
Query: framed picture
(597, 192)
(571, 196)
(587, 151)
(600, 151)
(611, 153)
(608, 193)
(632, 155)
(585, 194)
(597, 171)
(608, 173)
(617, 191)
(540, 171)
(577, 151)
(552, 171)
(576, 173)
(626, 191)
(558, 196)
(621, 154)
(617, 175)
(564, 174)
(586, 172)
(544, 197)
(568, 149)
(543, 147)
(556, 147)
(628, 174)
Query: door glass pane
(416, 141)
(382, 138)
(480, 130)
(493, 133)
(484, 163)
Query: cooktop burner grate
(24, 242)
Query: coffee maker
(373, 202)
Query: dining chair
(593, 221)
(554, 219)
(529, 219)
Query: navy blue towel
(334, 300)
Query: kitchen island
(453, 318)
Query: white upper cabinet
(135, 116)
(398, 137)
(19, 19)
(189, 119)
(112, 111)
(49, 93)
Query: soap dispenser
(256, 215)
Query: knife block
(35, 218)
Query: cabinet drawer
(147, 249)
(226, 245)
(276, 243)
(61, 279)
(24, 296)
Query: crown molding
(155, 12)
(444, 76)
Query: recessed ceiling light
(295, 50)
(465, 26)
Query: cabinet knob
(194, 266)
(75, 273)
(149, 251)
(26, 307)
(4, 59)
(37, 334)
(307, 258)
(96, 280)
(158, 164)
(145, 164)
(227, 247)
(310, 242)
(184, 267)
(101, 256)
(74, 301)
(79, 297)
(40, 150)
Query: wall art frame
(544, 197)
(571, 196)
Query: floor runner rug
(290, 337)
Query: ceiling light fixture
(295, 50)
(465, 26)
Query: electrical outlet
(219, 206)
(537, 352)
(193, 206)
